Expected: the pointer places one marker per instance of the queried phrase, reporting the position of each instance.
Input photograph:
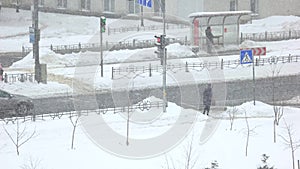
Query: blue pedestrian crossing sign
(146, 3)
(246, 56)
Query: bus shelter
(225, 27)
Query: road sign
(31, 34)
(146, 3)
(246, 56)
(259, 51)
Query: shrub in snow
(214, 165)
(265, 164)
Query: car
(12, 105)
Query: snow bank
(271, 24)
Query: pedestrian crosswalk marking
(246, 56)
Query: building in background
(260, 8)
(174, 8)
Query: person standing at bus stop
(209, 39)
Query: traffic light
(160, 47)
(102, 23)
(160, 41)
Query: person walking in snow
(207, 96)
(209, 39)
(1, 72)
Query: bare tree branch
(74, 124)
(9, 135)
(189, 160)
(289, 141)
(33, 164)
(20, 137)
(232, 112)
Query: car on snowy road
(14, 105)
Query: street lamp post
(102, 30)
(35, 45)
(164, 55)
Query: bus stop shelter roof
(222, 18)
(217, 14)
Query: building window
(86, 4)
(254, 6)
(41, 2)
(232, 5)
(62, 3)
(109, 5)
(133, 7)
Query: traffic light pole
(163, 8)
(142, 16)
(101, 49)
(165, 80)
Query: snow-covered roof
(214, 14)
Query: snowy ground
(50, 148)
(62, 70)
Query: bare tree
(74, 120)
(232, 112)
(32, 164)
(190, 159)
(249, 132)
(290, 141)
(170, 164)
(190, 162)
(277, 109)
(20, 135)
(278, 114)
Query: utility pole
(163, 9)
(102, 29)
(35, 45)
(165, 80)
(142, 15)
(101, 51)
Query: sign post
(102, 29)
(246, 57)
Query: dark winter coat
(209, 35)
(207, 95)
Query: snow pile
(179, 51)
(249, 110)
(53, 59)
(48, 57)
(271, 24)
(35, 90)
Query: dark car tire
(22, 109)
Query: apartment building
(260, 8)
(174, 8)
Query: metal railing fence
(271, 36)
(125, 72)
